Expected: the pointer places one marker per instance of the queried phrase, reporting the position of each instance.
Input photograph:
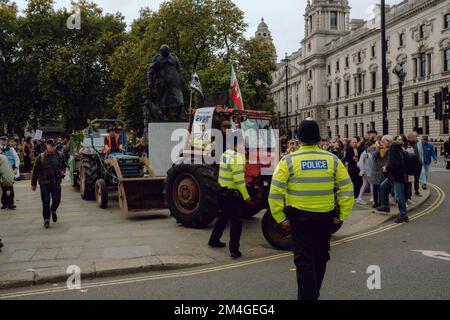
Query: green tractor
(97, 173)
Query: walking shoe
(4, 207)
(401, 220)
(361, 201)
(418, 194)
(13, 207)
(54, 217)
(216, 244)
(381, 209)
(424, 187)
(236, 255)
(46, 224)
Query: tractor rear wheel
(101, 193)
(191, 194)
(273, 234)
(88, 176)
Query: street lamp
(286, 61)
(384, 68)
(401, 75)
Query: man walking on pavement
(6, 177)
(447, 152)
(14, 161)
(305, 182)
(232, 196)
(429, 153)
(49, 170)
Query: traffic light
(438, 110)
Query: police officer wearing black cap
(302, 200)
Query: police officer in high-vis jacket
(302, 199)
(232, 196)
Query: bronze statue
(164, 77)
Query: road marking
(435, 254)
(438, 201)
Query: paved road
(404, 274)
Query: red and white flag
(236, 101)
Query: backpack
(413, 164)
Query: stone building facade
(335, 77)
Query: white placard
(201, 128)
(38, 135)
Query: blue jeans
(424, 174)
(399, 190)
(50, 192)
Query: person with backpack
(13, 158)
(49, 170)
(418, 151)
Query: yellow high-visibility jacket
(306, 180)
(232, 172)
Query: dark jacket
(352, 164)
(396, 163)
(45, 172)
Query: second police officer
(232, 196)
(302, 199)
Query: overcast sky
(285, 19)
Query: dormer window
(333, 19)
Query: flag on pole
(196, 85)
(236, 101)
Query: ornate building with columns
(335, 77)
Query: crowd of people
(387, 166)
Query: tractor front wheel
(273, 233)
(88, 176)
(101, 193)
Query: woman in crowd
(365, 170)
(352, 158)
(379, 160)
(27, 152)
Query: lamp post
(286, 61)
(401, 75)
(383, 68)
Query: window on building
(388, 43)
(416, 98)
(422, 64)
(426, 125)
(338, 90)
(310, 74)
(309, 96)
(355, 109)
(374, 80)
(355, 129)
(329, 93)
(359, 57)
(416, 124)
(447, 21)
(360, 81)
(347, 88)
(423, 31)
(361, 129)
(333, 19)
(336, 129)
(388, 77)
(347, 63)
(336, 113)
(402, 39)
(329, 69)
(310, 23)
(346, 130)
(373, 51)
(445, 128)
(337, 66)
(426, 97)
(329, 114)
(346, 111)
(447, 59)
(361, 108)
(372, 125)
(429, 64)
(372, 106)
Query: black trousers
(356, 179)
(376, 194)
(311, 235)
(416, 183)
(51, 198)
(231, 208)
(8, 201)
